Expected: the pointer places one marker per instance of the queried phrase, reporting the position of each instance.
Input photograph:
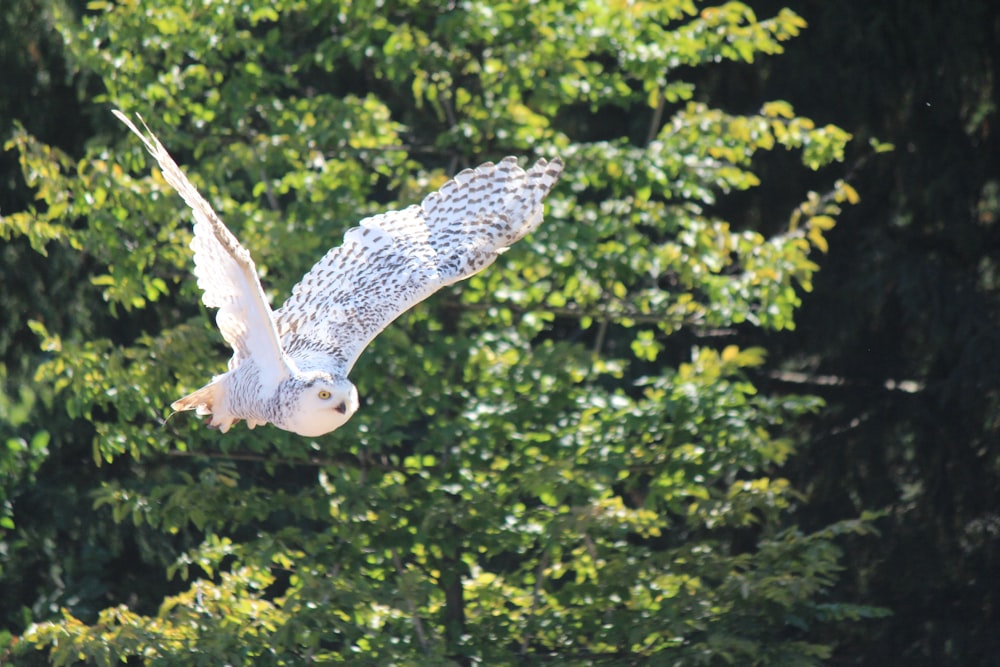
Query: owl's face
(323, 404)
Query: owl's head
(321, 403)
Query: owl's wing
(225, 271)
(391, 262)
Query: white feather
(226, 274)
(395, 260)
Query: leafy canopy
(555, 460)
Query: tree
(564, 459)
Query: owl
(290, 366)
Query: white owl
(290, 366)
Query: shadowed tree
(563, 459)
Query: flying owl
(290, 366)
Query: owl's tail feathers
(205, 401)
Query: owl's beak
(341, 408)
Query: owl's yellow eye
(324, 394)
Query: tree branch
(418, 624)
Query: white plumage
(290, 366)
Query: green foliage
(538, 471)
(20, 457)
